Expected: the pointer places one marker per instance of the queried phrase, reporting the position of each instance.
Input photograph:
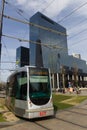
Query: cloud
(50, 8)
(56, 7)
(80, 6)
(21, 2)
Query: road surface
(69, 119)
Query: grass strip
(61, 101)
(2, 118)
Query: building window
(58, 55)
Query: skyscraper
(52, 51)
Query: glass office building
(48, 48)
(22, 56)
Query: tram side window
(11, 86)
(21, 92)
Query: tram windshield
(39, 86)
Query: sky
(68, 13)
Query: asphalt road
(69, 119)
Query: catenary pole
(1, 24)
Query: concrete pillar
(57, 81)
(68, 76)
(53, 81)
(73, 77)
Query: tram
(29, 93)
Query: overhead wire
(35, 25)
(73, 11)
(20, 11)
(68, 14)
(75, 43)
(22, 39)
(33, 42)
(7, 52)
(77, 33)
(39, 27)
(77, 24)
(47, 6)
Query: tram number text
(42, 113)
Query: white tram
(28, 92)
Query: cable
(50, 3)
(7, 54)
(77, 24)
(28, 20)
(35, 25)
(19, 11)
(47, 5)
(6, 51)
(77, 33)
(38, 26)
(48, 28)
(24, 40)
(54, 46)
(79, 42)
(41, 27)
(80, 31)
(73, 11)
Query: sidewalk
(83, 92)
(10, 118)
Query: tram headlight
(30, 103)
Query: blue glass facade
(53, 44)
(53, 51)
